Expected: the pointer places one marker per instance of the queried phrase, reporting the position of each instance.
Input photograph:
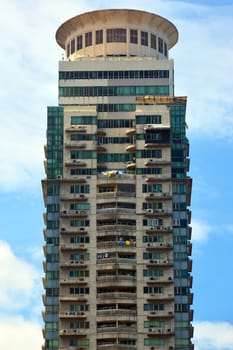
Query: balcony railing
(117, 329)
(113, 211)
(114, 278)
(112, 195)
(117, 295)
(126, 244)
(117, 312)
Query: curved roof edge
(167, 27)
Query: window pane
(99, 36)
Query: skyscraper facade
(117, 254)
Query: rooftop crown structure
(117, 254)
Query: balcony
(158, 195)
(74, 213)
(74, 263)
(156, 161)
(157, 212)
(72, 314)
(153, 127)
(158, 228)
(158, 178)
(126, 281)
(74, 246)
(114, 346)
(115, 263)
(75, 163)
(117, 295)
(160, 331)
(131, 165)
(73, 196)
(101, 149)
(166, 279)
(160, 262)
(159, 296)
(114, 195)
(76, 297)
(158, 246)
(115, 229)
(125, 313)
(125, 245)
(116, 175)
(189, 249)
(130, 132)
(76, 128)
(75, 144)
(71, 331)
(131, 148)
(78, 281)
(149, 145)
(190, 298)
(100, 132)
(72, 230)
(190, 265)
(191, 315)
(114, 211)
(160, 314)
(129, 332)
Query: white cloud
(213, 335)
(18, 333)
(21, 282)
(200, 231)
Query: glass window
(133, 36)
(165, 50)
(79, 42)
(68, 50)
(88, 39)
(116, 35)
(72, 46)
(99, 37)
(83, 120)
(144, 38)
(153, 41)
(160, 45)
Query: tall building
(117, 254)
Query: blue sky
(203, 71)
